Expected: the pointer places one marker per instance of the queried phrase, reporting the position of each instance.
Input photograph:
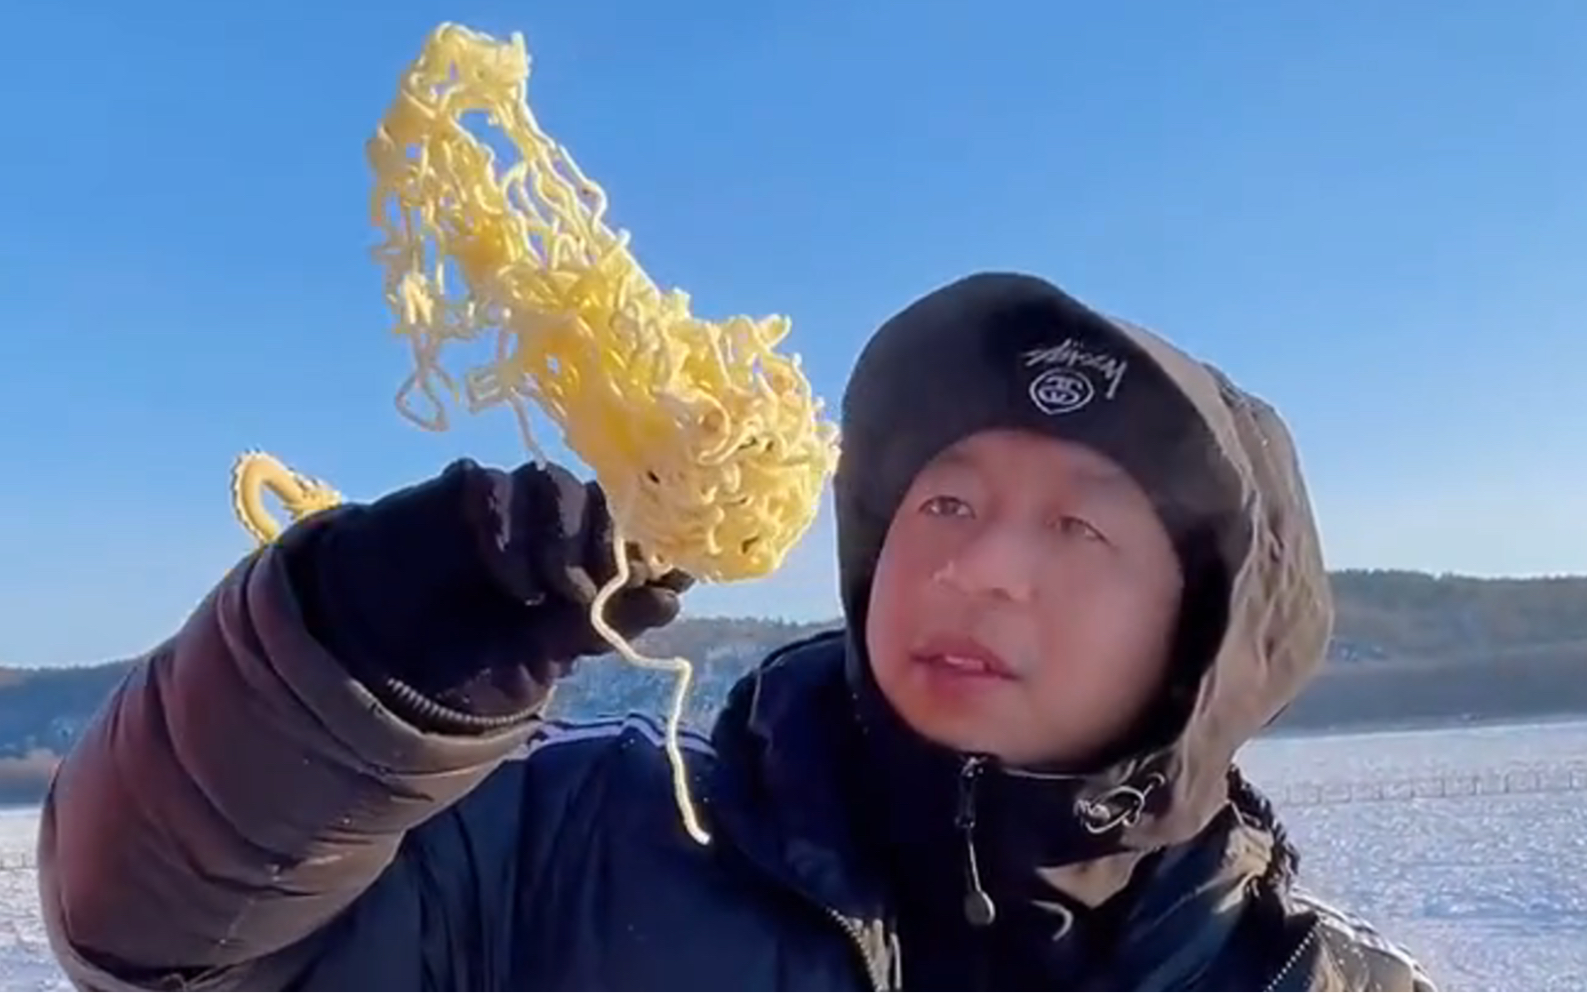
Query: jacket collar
(790, 782)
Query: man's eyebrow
(1104, 483)
(1103, 478)
(1100, 479)
(951, 458)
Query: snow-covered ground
(1491, 891)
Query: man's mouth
(961, 656)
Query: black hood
(1218, 464)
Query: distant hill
(1409, 648)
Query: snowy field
(1490, 890)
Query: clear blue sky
(1373, 213)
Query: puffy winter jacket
(244, 818)
(246, 815)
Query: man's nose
(998, 562)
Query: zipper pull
(979, 909)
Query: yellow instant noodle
(708, 442)
(256, 474)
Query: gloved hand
(555, 554)
(472, 589)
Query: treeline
(1409, 648)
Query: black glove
(546, 538)
(471, 590)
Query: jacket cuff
(399, 593)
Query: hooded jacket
(245, 814)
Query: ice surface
(1490, 891)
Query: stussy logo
(1070, 374)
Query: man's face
(1024, 601)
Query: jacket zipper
(1294, 959)
(858, 941)
(979, 910)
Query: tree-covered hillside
(1408, 648)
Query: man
(1078, 571)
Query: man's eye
(945, 506)
(1081, 528)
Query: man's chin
(962, 738)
